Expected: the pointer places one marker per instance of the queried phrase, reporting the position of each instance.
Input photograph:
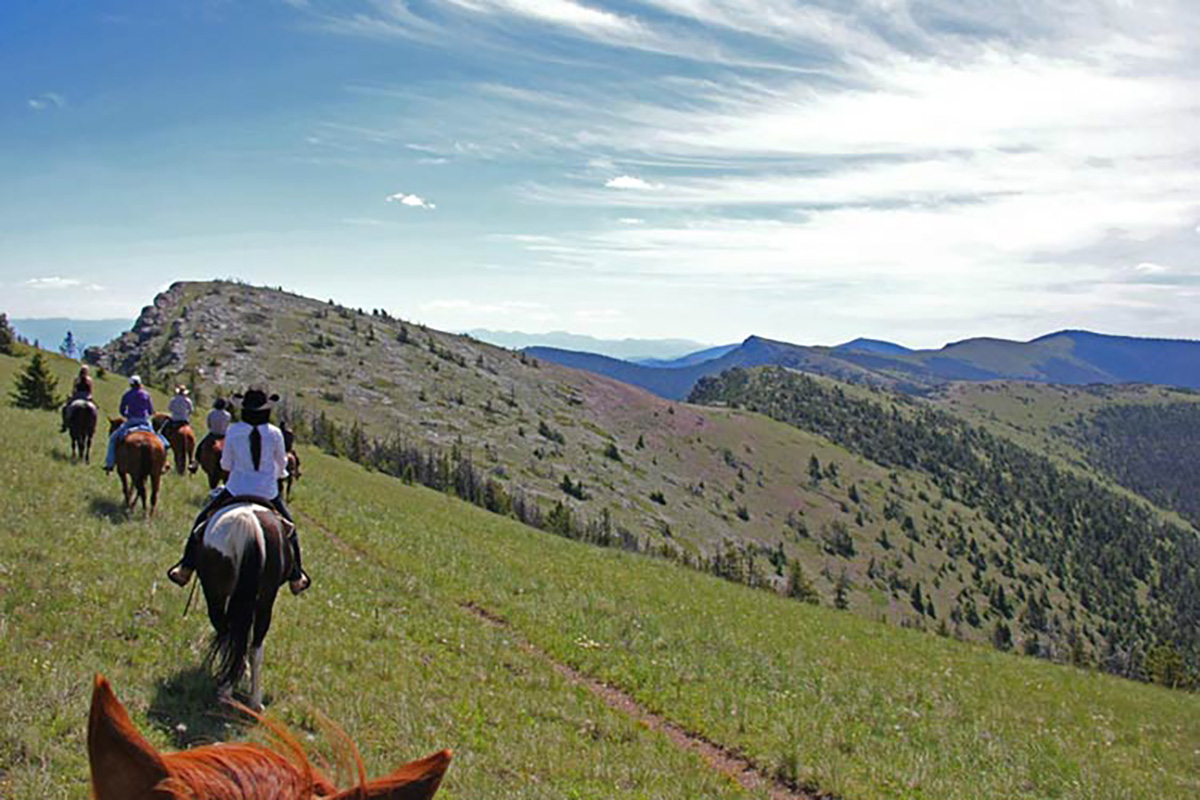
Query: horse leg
(125, 489)
(256, 692)
(155, 479)
(262, 624)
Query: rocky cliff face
(137, 350)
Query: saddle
(172, 425)
(261, 502)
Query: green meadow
(382, 646)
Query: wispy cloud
(47, 101)
(410, 200)
(57, 283)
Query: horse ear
(124, 765)
(416, 780)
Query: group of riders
(254, 456)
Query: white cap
(135, 380)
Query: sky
(920, 171)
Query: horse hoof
(225, 695)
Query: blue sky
(917, 170)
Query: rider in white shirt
(256, 460)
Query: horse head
(125, 766)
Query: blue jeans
(128, 426)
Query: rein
(192, 593)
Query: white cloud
(1150, 268)
(410, 200)
(630, 182)
(47, 101)
(631, 221)
(53, 283)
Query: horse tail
(231, 643)
(146, 461)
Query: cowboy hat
(135, 380)
(181, 389)
(256, 400)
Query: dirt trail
(723, 759)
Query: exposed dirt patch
(725, 760)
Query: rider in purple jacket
(137, 408)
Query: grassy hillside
(1114, 555)
(709, 485)
(382, 645)
(1143, 437)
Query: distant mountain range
(1066, 357)
(50, 332)
(653, 350)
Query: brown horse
(140, 456)
(182, 438)
(243, 561)
(293, 475)
(125, 766)
(81, 423)
(183, 443)
(208, 456)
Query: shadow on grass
(109, 508)
(185, 707)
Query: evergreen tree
(799, 587)
(814, 471)
(69, 348)
(841, 588)
(1002, 637)
(7, 337)
(36, 387)
(915, 597)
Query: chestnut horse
(140, 456)
(81, 423)
(182, 438)
(243, 560)
(293, 475)
(125, 766)
(208, 456)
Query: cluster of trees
(1124, 565)
(455, 472)
(1152, 449)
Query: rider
(218, 423)
(81, 389)
(137, 408)
(255, 458)
(180, 408)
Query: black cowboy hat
(256, 400)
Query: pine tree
(814, 471)
(841, 587)
(69, 348)
(36, 387)
(1002, 637)
(7, 337)
(799, 587)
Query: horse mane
(126, 766)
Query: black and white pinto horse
(243, 561)
(81, 424)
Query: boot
(298, 580)
(181, 573)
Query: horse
(244, 559)
(81, 423)
(125, 766)
(208, 457)
(183, 443)
(140, 456)
(293, 475)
